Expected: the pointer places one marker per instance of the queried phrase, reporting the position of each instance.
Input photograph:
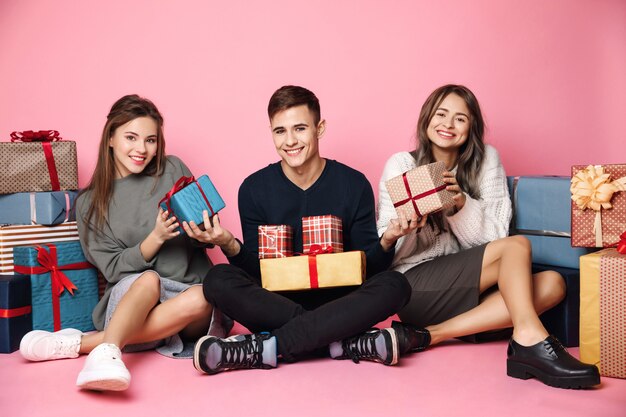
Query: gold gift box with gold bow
(598, 205)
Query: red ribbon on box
(316, 250)
(412, 197)
(45, 137)
(8, 313)
(621, 245)
(179, 185)
(60, 282)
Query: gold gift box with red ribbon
(420, 190)
(603, 311)
(313, 271)
(38, 161)
(598, 205)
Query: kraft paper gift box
(598, 204)
(15, 311)
(64, 285)
(46, 208)
(308, 272)
(275, 241)
(563, 320)
(15, 236)
(420, 190)
(541, 213)
(38, 163)
(325, 231)
(189, 197)
(603, 311)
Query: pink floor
(455, 379)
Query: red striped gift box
(324, 230)
(29, 235)
(275, 241)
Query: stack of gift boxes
(45, 281)
(323, 263)
(567, 219)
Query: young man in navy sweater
(293, 325)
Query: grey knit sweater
(132, 213)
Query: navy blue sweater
(269, 197)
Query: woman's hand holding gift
(453, 186)
(399, 227)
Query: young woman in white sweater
(467, 276)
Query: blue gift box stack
(541, 213)
(25, 209)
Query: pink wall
(550, 75)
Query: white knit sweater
(478, 222)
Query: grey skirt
(444, 287)
(172, 346)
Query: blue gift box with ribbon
(64, 285)
(15, 311)
(46, 208)
(541, 212)
(189, 197)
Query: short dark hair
(291, 96)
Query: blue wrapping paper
(188, 203)
(46, 208)
(75, 309)
(541, 212)
(563, 319)
(14, 296)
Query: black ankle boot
(549, 362)
(410, 337)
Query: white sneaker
(104, 370)
(40, 345)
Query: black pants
(303, 322)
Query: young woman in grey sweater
(149, 267)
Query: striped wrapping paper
(322, 230)
(275, 241)
(28, 235)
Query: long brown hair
(471, 153)
(123, 111)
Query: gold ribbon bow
(593, 189)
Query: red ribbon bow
(313, 252)
(59, 281)
(179, 185)
(45, 137)
(621, 245)
(412, 197)
(39, 136)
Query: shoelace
(553, 346)
(243, 354)
(361, 347)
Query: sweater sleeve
(396, 165)
(363, 233)
(487, 218)
(250, 216)
(103, 250)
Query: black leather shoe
(410, 337)
(549, 362)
